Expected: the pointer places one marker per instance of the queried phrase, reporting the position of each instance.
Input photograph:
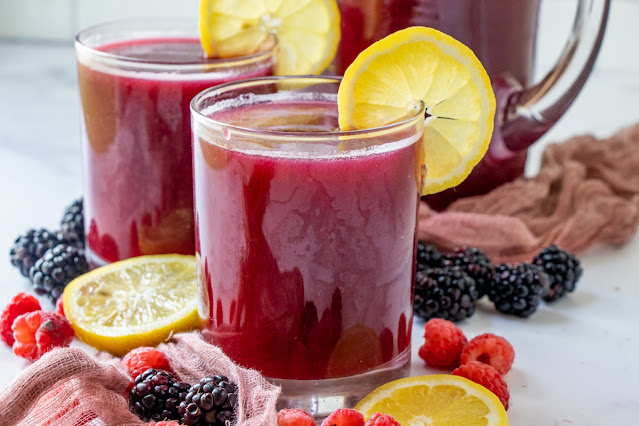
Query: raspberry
(487, 376)
(164, 423)
(141, 359)
(490, 349)
(38, 332)
(20, 304)
(59, 306)
(294, 417)
(444, 344)
(379, 419)
(344, 417)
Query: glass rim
(268, 49)
(294, 135)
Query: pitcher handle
(530, 113)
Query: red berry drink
(136, 82)
(502, 33)
(305, 236)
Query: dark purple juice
(500, 32)
(306, 262)
(137, 143)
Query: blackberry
(30, 246)
(444, 293)
(56, 268)
(73, 220)
(475, 263)
(210, 402)
(156, 395)
(428, 256)
(518, 289)
(563, 270)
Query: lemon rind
(120, 340)
(332, 37)
(459, 52)
(496, 417)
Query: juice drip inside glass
(316, 281)
(137, 148)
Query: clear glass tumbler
(137, 79)
(305, 237)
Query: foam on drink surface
(167, 50)
(282, 119)
(168, 58)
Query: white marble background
(576, 361)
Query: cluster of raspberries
(448, 285)
(485, 359)
(340, 417)
(51, 259)
(30, 331)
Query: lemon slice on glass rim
(137, 302)
(308, 31)
(389, 80)
(435, 400)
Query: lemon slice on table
(389, 80)
(435, 400)
(308, 31)
(136, 302)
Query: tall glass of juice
(305, 237)
(136, 80)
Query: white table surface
(576, 360)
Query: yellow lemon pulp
(435, 400)
(357, 351)
(308, 31)
(135, 302)
(388, 82)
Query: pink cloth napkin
(69, 387)
(586, 192)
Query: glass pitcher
(503, 34)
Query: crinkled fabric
(67, 386)
(586, 193)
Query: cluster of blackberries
(158, 395)
(448, 285)
(52, 259)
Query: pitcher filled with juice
(502, 33)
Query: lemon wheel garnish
(388, 82)
(135, 302)
(436, 400)
(308, 31)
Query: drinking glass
(136, 81)
(305, 237)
